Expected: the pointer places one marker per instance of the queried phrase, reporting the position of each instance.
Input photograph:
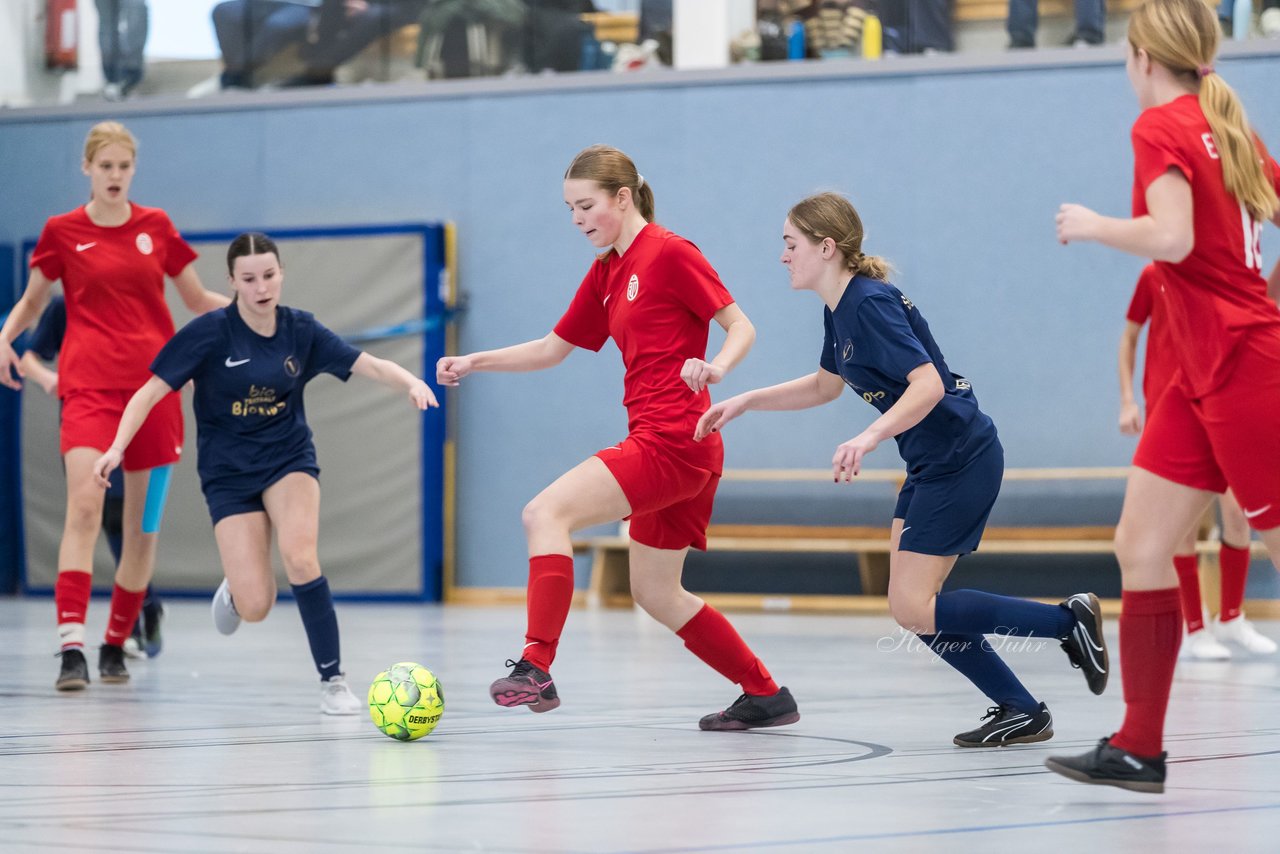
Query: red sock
(1150, 633)
(1188, 567)
(125, 605)
(713, 639)
(71, 600)
(550, 595)
(1234, 566)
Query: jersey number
(1252, 240)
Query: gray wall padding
(368, 437)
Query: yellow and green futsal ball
(406, 701)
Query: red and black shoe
(748, 712)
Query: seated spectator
(328, 33)
(917, 26)
(122, 35)
(1090, 29)
(346, 27)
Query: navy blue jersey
(250, 416)
(46, 340)
(874, 338)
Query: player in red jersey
(654, 294)
(1203, 186)
(1204, 639)
(112, 257)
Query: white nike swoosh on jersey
(908, 528)
(80, 247)
(231, 364)
(606, 299)
(1249, 514)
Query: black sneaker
(150, 619)
(111, 664)
(526, 685)
(74, 675)
(1009, 726)
(1110, 766)
(748, 712)
(1085, 646)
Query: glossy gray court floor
(217, 745)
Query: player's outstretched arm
(34, 369)
(536, 355)
(1130, 412)
(697, 374)
(924, 390)
(25, 313)
(1166, 233)
(801, 393)
(195, 296)
(135, 413)
(393, 376)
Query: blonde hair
(832, 215)
(108, 133)
(1182, 35)
(612, 170)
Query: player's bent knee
(911, 615)
(539, 515)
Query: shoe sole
(532, 699)
(113, 680)
(1023, 739)
(738, 726)
(72, 684)
(1081, 777)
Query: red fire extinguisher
(61, 34)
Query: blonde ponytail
(1182, 35)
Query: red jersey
(655, 302)
(113, 278)
(1160, 363)
(1215, 295)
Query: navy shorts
(946, 513)
(231, 496)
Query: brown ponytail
(832, 215)
(612, 170)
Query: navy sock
(315, 604)
(974, 612)
(150, 600)
(973, 657)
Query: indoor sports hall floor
(217, 746)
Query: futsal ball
(406, 701)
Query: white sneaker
(336, 698)
(1270, 22)
(225, 618)
(1202, 646)
(131, 648)
(1241, 632)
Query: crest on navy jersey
(633, 287)
(291, 366)
(848, 349)
(144, 244)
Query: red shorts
(670, 499)
(90, 420)
(1230, 437)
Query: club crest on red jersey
(633, 287)
(144, 244)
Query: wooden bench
(610, 581)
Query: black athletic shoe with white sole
(1106, 765)
(1085, 646)
(73, 675)
(1006, 725)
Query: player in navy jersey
(44, 343)
(879, 344)
(250, 363)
